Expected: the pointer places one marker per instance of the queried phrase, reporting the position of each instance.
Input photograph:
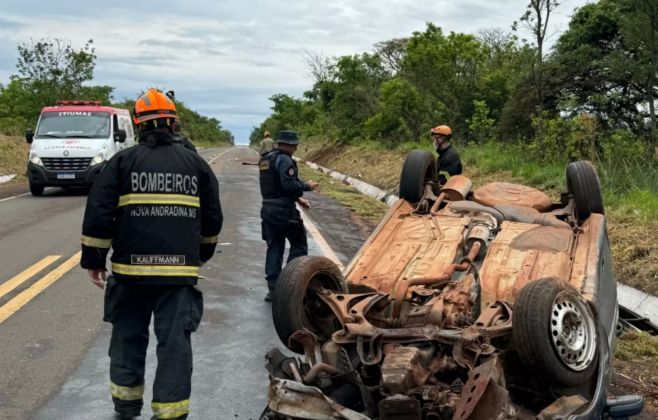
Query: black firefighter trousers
(177, 312)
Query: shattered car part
(563, 407)
(406, 368)
(309, 342)
(293, 399)
(399, 407)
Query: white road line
(319, 239)
(214, 158)
(254, 150)
(21, 195)
(11, 198)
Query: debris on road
(6, 178)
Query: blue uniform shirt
(288, 175)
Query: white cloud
(226, 58)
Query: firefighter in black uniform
(157, 205)
(180, 139)
(449, 163)
(281, 189)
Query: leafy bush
(563, 140)
(622, 144)
(13, 126)
(482, 127)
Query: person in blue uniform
(281, 189)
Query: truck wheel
(37, 190)
(418, 169)
(583, 183)
(555, 333)
(295, 306)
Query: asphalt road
(53, 343)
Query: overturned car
(490, 304)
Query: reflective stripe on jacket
(158, 207)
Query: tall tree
(595, 68)
(640, 25)
(447, 70)
(49, 70)
(536, 20)
(54, 69)
(392, 53)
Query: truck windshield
(71, 124)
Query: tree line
(52, 69)
(590, 95)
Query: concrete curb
(633, 299)
(363, 187)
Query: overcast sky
(226, 58)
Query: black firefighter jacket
(157, 205)
(185, 142)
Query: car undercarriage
(488, 304)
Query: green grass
(362, 205)
(493, 158)
(628, 186)
(633, 345)
(13, 157)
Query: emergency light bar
(78, 103)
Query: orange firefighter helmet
(267, 134)
(442, 130)
(154, 105)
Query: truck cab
(72, 143)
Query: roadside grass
(362, 205)
(636, 369)
(13, 158)
(630, 190)
(636, 345)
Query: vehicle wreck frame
(428, 328)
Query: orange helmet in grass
(154, 106)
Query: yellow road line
(22, 299)
(319, 239)
(219, 155)
(10, 285)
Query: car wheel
(419, 168)
(295, 306)
(583, 183)
(555, 333)
(37, 190)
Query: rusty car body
(490, 304)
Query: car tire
(419, 168)
(584, 184)
(537, 335)
(37, 190)
(293, 301)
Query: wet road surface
(53, 343)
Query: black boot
(270, 295)
(118, 416)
